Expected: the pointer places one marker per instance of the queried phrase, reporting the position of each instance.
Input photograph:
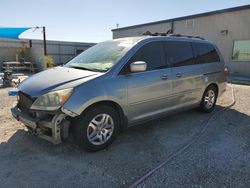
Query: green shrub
(49, 61)
(21, 52)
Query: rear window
(179, 53)
(207, 53)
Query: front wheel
(97, 128)
(209, 99)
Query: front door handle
(164, 77)
(179, 75)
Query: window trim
(237, 60)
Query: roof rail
(171, 35)
(187, 36)
(155, 34)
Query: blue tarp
(12, 32)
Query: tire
(209, 99)
(96, 128)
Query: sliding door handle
(179, 75)
(164, 77)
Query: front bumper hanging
(54, 130)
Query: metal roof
(188, 17)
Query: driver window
(151, 53)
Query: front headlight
(52, 101)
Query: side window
(179, 53)
(152, 54)
(207, 53)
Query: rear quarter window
(206, 53)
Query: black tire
(204, 107)
(81, 123)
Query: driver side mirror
(138, 66)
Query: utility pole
(44, 41)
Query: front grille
(24, 103)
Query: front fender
(108, 89)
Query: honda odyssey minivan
(120, 83)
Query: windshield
(102, 56)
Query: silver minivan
(120, 83)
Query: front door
(149, 92)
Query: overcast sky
(92, 20)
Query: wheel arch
(116, 106)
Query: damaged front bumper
(54, 129)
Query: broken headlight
(52, 101)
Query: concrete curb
(239, 80)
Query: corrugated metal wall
(8, 49)
(61, 52)
(138, 31)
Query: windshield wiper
(89, 69)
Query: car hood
(55, 79)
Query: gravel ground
(218, 159)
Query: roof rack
(187, 36)
(169, 33)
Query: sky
(92, 20)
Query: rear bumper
(54, 130)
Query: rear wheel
(209, 99)
(97, 128)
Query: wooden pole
(44, 41)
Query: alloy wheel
(209, 99)
(100, 129)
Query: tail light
(225, 71)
